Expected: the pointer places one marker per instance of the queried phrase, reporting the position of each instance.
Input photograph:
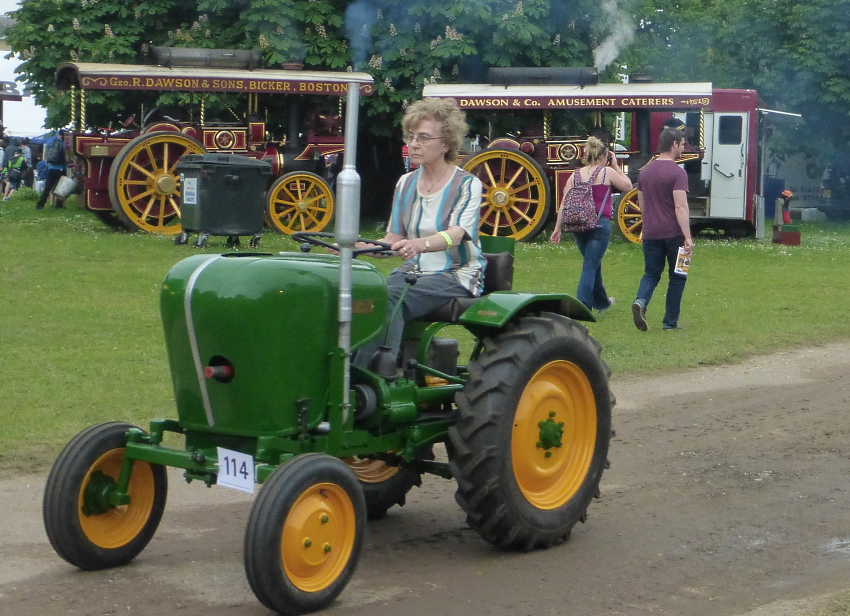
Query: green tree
(794, 55)
(402, 44)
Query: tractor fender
(493, 311)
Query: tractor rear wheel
(515, 201)
(143, 185)
(299, 201)
(305, 534)
(83, 526)
(630, 217)
(531, 440)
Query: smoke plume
(622, 33)
(359, 18)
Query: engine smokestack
(541, 75)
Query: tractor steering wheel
(325, 240)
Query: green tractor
(259, 348)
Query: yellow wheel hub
(119, 525)
(318, 537)
(499, 197)
(165, 184)
(550, 460)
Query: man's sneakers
(639, 314)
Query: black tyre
(531, 441)
(82, 526)
(384, 486)
(305, 534)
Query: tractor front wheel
(531, 440)
(305, 534)
(299, 201)
(144, 187)
(630, 217)
(83, 526)
(515, 198)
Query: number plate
(235, 470)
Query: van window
(731, 130)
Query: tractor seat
(498, 276)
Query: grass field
(82, 343)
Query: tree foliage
(402, 44)
(795, 55)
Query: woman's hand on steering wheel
(366, 246)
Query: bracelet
(446, 237)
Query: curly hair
(593, 150)
(446, 112)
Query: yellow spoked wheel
(554, 434)
(384, 485)
(515, 198)
(630, 217)
(143, 185)
(299, 201)
(305, 534)
(85, 522)
(531, 438)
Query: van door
(729, 165)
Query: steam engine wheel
(299, 201)
(515, 201)
(630, 217)
(144, 187)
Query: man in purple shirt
(662, 194)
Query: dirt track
(727, 495)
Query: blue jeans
(592, 246)
(655, 253)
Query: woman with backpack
(590, 188)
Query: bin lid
(196, 161)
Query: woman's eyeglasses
(421, 138)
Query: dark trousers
(657, 254)
(430, 292)
(53, 176)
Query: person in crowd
(603, 171)
(433, 225)
(14, 170)
(3, 144)
(29, 174)
(662, 194)
(40, 175)
(55, 171)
